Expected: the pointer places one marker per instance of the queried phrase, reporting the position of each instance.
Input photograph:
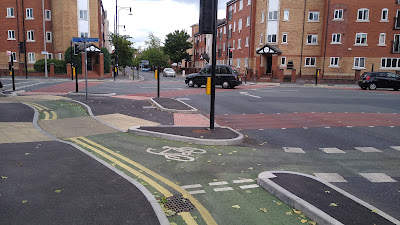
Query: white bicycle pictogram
(184, 154)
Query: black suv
(225, 76)
(373, 80)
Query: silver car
(169, 72)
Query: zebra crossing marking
(330, 177)
(191, 186)
(396, 147)
(332, 150)
(242, 181)
(378, 177)
(249, 186)
(293, 150)
(197, 192)
(367, 149)
(223, 189)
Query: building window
(310, 61)
(247, 42)
(271, 38)
(240, 5)
(390, 63)
(239, 43)
(363, 15)
(248, 2)
(313, 16)
(238, 63)
(284, 38)
(338, 14)
(233, 44)
(31, 57)
(224, 29)
(336, 38)
(48, 14)
(223, 47)
(10, 12)
(30, 36)
(361, 38)
(84, 34)
(14, 56)
(312, 39)
(29, 13)
(283, 61)
(60, 57)
(83, 14)
(248, 21)
(384, 16)
(48, 37)
(234, 26)
(262, 16)
(11, 35)
(239, 24)
(334, 62)
(246, 62)
(50, 56)
(359, 62)
(382, 39)
(261, 39)
(273, 15)
(286, 15)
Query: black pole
(76, 78)
(158, 82)
(12, 71)
(116, 32)
(72, 72)
(23, 32)
(214, 61)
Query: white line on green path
(378, 177)
(332, 150)
(218, 183)
(197, 192)
(249, 186)
(367, 149)
(243, 181)
(396, 147)
(191, 186)
(223, 189)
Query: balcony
(395, 47)
(396, 23)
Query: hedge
(59, 66)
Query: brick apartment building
(21, 24)
(337, 36)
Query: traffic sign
(83, 39)
(8, 53)
(45, 53)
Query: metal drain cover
(179, 204)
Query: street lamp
(116, 26)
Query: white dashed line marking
(371, 126)
(197, 192)
(332, 150)
(396, 147)
(218, 183)
(327, 127)
(249, 186)
(350, 126)
(391, 126)
(243, 181)
(260, 129)
(330, 177)
(278, 113)
(367, 149)
(191, 186)
(223, 189)
(305, 128)
(283, 128)
(378, 177)
(293, 150)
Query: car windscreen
(169, 70)
(206, 69)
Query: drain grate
(179, 204)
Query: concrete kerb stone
(12, 93)
(162, 218)
(309, 210)
(174, 137)
(92, 94)
(191, 111)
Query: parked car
(374, 80)
(225, 76)
(168, 72)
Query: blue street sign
(82, 39)
(92, 40)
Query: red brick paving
(190, 120)
(63, 88)
(298, 120)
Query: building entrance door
(269, 64)
(89, 63)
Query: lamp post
(116, 26)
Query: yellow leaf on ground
(263, 210)
(236, 206)
(208, 161)
(303, 221)
(288, 213)
(296, 211)
(328, 192)
(248, 191)
(219, 154)
(333, 204)
(234, 151)
(57, 191)
(3, 177)
(250, 168)
(24, 201)
(279, 203)
(375, 211)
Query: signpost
(9, 53)
(84, 40)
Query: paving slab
(20, 132)
(124, 122)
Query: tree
(125, 50)
(107, 60)
(154, 52)
(176, 45)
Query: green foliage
(125, 50)
(154, 53)
(107, 60)
(76, 59)
(59, 65)
(176, 45)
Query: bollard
(208, 86)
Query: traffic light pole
(214, 61)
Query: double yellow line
(46, 111)
(134, 168)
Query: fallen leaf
(230, 153)
(333, 204)
(375, 211)
(263, 210)
(219, 154)
(144, 183)
(57, 191)
(208, 161)
(303, 221)
(27, 153)
(194, 217)
(223, 164)
(296, 211)
(328, 192)
(259, 164)
(288, 213)
(234, 151)
(242, 171)
(168, 160)
(279, 203)
(19, 164)
(3, 177)
(250, 168)
(113, 164)
(169, 212)
(248, 191)
(24, 201)
(312, 223)
(215, 180)
(236, 206)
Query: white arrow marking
(245, 93)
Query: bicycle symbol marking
(184, 154)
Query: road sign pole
(158, 82)
(213, 61)
(12, 71)
(84, 49)
(76, 79)
(72, 64)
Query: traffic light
(206, 17)
(76, 48)
(21, 47)
(230, 52)
(9, 66)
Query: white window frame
(60, 56)
(83, 14)
(240, 5)
(334, 62)
(233, 44)
(313, 16)
(270, 38)
(273, 15)
(224, 29)
(313, 37)
(283, 61)
(248, 2)
(248, 21)
(31, 57)
(51, 36)
(380, 42)
(30, 36)
(262, 16)
(223, 45)
(47, 12)
(357, 61)
(85, 34)
(338, 14)
(234, 26)
(29, 14)
(247, 42)
(361, 37)
(240, 23)
(387, 63)
(284, 38)
(50, 56)
(238, 63)
(336, 38)
(10, 12)
(383, 19)
(286, 14)
(246, 62)
(261, 39)
(11, 35)
(239, 44)
(14, 57)
(308, 62)
(364, 15)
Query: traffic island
(172, 105)
(321, 201)
(195, 135)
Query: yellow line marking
(34, 106)
(40, 106)
(188, 218)
(46, 115)
(203, 211)
(54, 114)
(159, 188)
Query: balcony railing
(395, 47)
(397, 23)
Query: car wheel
(225, 84)
(396, 89)
(372, 86)
(191, 83)
(364, 88)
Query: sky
(159, 17)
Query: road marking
(349, 126)
(327, 127)
(191, 186)
(223, 189)
(330, 177)
(249, 186)
(218, 183)
(396, 147)
(283, 128)
(371, 126)
(202, 210)
(260, 129)
(189, 220)
(245, 93)
(332, 150)
(243, 181)
(197, 192)
(378, 177)
(183, 99)
(305, 128)
(392, 126)
(183, 154)
(367, 149)
(149, 107)
(293, 150)
(44, 110)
